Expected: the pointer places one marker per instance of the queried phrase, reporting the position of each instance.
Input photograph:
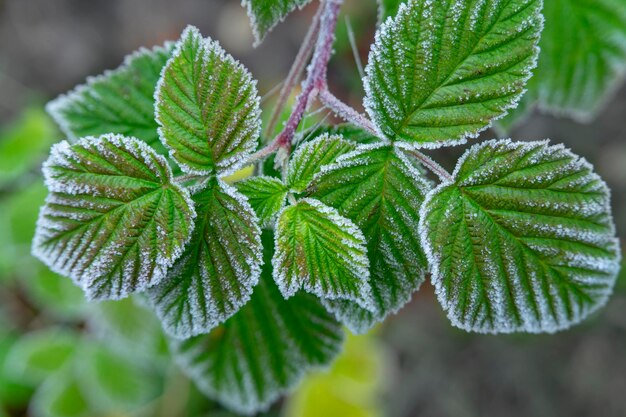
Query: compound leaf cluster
(253, 281)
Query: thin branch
(295, 73)
(431, 165)
(315, 80)
(344, 111)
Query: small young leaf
(322, 252)
(310, 157)
(265, 14)
(264, 349)
(219, 268)
(441, 71)
(381, 191)
(114, 221)
(208, 108)
(119, 101)
(266, 196)
(521, 240)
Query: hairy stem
(314, 82)
(346, 112)
(431, 165)
(315, 86)
(296, 71)
(349, 114)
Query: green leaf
(265, 14)
(54, 295)
(131, 326)
(61, 396)
(119, 101)
(115, 221)
(266, 195)
(36, 356)
(441, 71)
(322, 252)
(208, 108)
(215, 276)
(310, 157)
(14, 394)
(583, 55)
(521, 240)
(380, 190)
(351, 133)
(113, 382)
(24, 144)
(263, 350)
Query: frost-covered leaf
(118, 101)
(265, 14)
(219, 268)
(381, 191)
(266, 196)
(114, 221)
(351, 133)
(441, 71)
(583, 55)
(208, 107)
(263, 350)
(310, 157)
(521, 240)
(322, 252)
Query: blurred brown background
(49, 46)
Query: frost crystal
(378, 188)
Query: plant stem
(315, 86)
(314, 82)
(350, 115)
(295, 73)
(346, 112)
(431, 165)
